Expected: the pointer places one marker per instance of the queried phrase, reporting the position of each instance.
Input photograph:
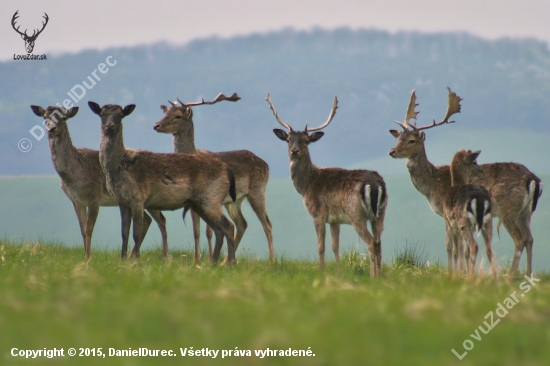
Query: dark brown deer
(140, 179)
(467, 208)
(82, 178)
(29, 40)
(336, 196)
(513, 188)
(251, 172)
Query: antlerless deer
(336, 196)
(513, 188)
(251, 172)
(82, 178)
(141, 179)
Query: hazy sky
(77, 25)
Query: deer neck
(63, 153)
(303, 172)
(111, 152)
(184, 140)
(458, 178)
(423, 173)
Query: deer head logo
(29, 40)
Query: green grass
(51, 297)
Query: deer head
(410, 141)
(298, 141)
(464, 167)
(176, 117)
(111, 116)
(29, 40)
(55, 118)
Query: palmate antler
(287, 126)
(219, 98)
(453, 107)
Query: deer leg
(467, 235)
(527, 237)
(221, 227)
(161, 223)
(259, 207)
(458, 244)
(81, 214)
(125, 222)
(234, 211)
(321, 232)
(138, 219)
(195, 218)
(377, 228)
(513, 228)
(335, 240)
(361, 229)
(449, 245)
(209, 240)
(93, 210)
(487, 233)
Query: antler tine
(411, 113)
(173, 103)
(286, 125)
(453, 107)
(330, 117)
(233, 98)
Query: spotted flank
(373, 197)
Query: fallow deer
(334, 195)
(467, 208)
(140, 179)
(82, 178)
(251, 172)
(513, 188)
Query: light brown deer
(336, 196)
(467, 208)
(513, 188)
(141, 179)
(251, 172)
(82, 178)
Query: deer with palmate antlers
(82, 178)
(251, 172)
(467, 208)
(336, 196)
(513, 188)
(141, 179)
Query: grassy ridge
(51, 298)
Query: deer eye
(177, 116)
(412, 141)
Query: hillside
(505, 85)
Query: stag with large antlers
(29, 40)
(82, 179)
(513, 188)
(251, 172)
(140, 179)
(336, 196)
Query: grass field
(50, 297)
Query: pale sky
(77, 25)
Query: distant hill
(505, 85)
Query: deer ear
(39, 111)
(473, 156)
(72, 112)
(395, 133)
(128, 109)
(282, 135)
(315, 136)
(94, 107)
(422, 136)
(189, 112)
(164, 108)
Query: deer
(333, 195)
(514, 190)
(251, 172)
(82, 178)
(29, 40)
(467, 208)
(141, 179)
